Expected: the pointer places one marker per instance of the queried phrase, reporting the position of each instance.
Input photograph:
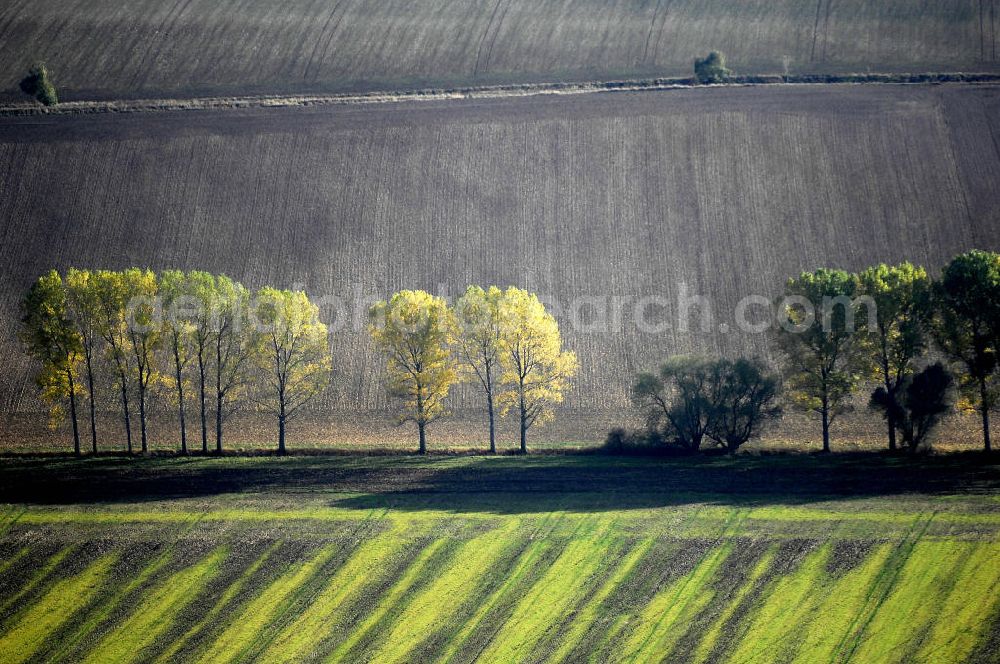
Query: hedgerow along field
(722, 192)
(861, 558)
(182, 48)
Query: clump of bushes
(694, 399)
(711, 69)
(39, 85)
(923, 400)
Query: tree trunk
(180, 400)
(493, 432)
(142, 415)
(201, 395)
(985, 411)
(218, 398)
(826, 424)
(524, 424)
(128, 420)
(421, 429)
(93, 408)
(281, 431)
(72, 412)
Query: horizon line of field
(507, 91)
(367, 591)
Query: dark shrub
(711, 69)
(39, 85)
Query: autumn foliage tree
(536, 369)
(50, 337)
(294, 360)
(415, 331)
(480, 343)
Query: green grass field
(863, 558)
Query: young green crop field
(119, 49)
(863, 558)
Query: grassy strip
(387, 603)
(234, 589)
(301, 638)
(588, 615)
(36, 578)
(963, 618)
(711, 637)
(40, 620)
(235, 642)
(467, 572)
(657, 631)
(159, 609)
(555, 595)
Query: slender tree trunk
(985, 411)
(72, 412)
(142, 413)
(201, 396)
(826, 424)
(93, 408)
(125, 410)
(422, 431)
(524, 423)
(493, 432)
(180, 400)
(281, 430)
(218, 398)
(891, 417)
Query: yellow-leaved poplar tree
(294, 359)
(479, 313)
(535, 369)
(415, 331)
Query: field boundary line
(23, 109)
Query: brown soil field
(599, 200)
(181, 48)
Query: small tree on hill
(479, 314)
(294, 359)
(38, 84)
(536, 369)
(965, 326)
(711, 69)
(83, 307)
(816, 337)
(920, 403)
(49, 336)
(680, 401)
(234, 341)
(113, 327)
(415, 331)
(178, 332)
(892, 345)
(747, 399)
(143, 329)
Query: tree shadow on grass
(506, 485)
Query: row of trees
(502, 340)
(889, 327)
(887, 324)
(172, 335)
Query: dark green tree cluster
(190, 338)
(692, 399)
(886, 324)
(38, 84)
(711, 69)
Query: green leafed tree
(200, 287)
(294, 359)
(143, 329)
(50, 337)
(234, 341)
(415, 331)
(112, 324)
(711, 68)
(897, 338)
(84, 309)
(816, 338)
(536, 371)
(679, 400)
(180, 311)
(479, 313)
(965, 326)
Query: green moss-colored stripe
(36, 579)
(236, 640)
(399, 589)
(56, 607)
(234, 589)
(300, 638)
(159, 608)
(439, 601)
(588, 615)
